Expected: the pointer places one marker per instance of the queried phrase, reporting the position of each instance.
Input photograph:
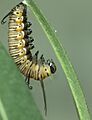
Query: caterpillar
(20, 45)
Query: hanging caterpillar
(20, 46)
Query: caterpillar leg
(27, 80)
(27, 32)
(28, 24)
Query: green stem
(67, 67)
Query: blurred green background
(72, 19)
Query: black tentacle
(35, 57)
(42, 59)
(3, 20)
(44, 96)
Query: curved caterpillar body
(20, 45)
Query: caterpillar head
(52, 66)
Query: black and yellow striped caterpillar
(20, 45)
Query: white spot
(55, 31)
(50, 64)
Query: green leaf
(67, 67)
(16, 102)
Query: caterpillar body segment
(20, 48)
